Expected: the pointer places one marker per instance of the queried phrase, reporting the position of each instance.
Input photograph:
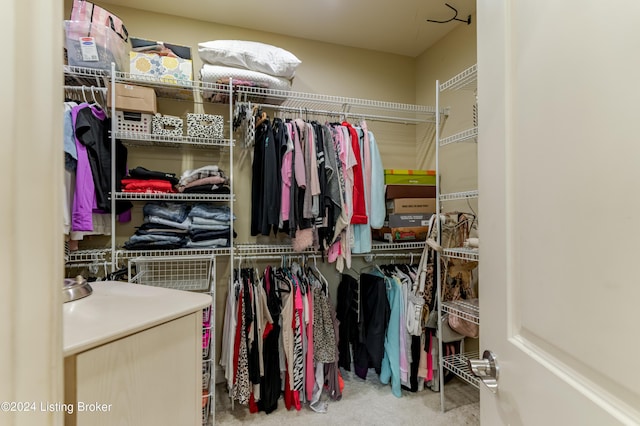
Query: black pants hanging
(347, 315)
(375, 313)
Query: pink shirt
(310, 371)
(286, 173)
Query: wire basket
(206, 342)
(206, 374)
(191, 273)
(206, 316)
(206, 407)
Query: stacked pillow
(249, 63)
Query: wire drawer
(192, 273)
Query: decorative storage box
(205, 126)
(167, 125)
(136, 122)
(409, 177)
(174, 69)
(170, 70)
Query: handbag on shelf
(463, 326)
(458, 286)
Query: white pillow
(250, 55)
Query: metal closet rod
(79, 88)
(302, 255)
(341, 114)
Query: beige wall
(325, 69)
(442, 61)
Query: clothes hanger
(455, 17)
(372, 267)
(261, 119)
(84, 95)
(95, 104)
(321, 277)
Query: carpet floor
(366, 402)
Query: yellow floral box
(170, 70)
(152, 60)
(409, 177)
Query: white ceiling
(396, 26)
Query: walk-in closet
(282, 179)
(274, 214)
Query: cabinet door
(150, 378)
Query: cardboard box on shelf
(134, 98)
(410, 191)
(393, 235)
(144, 60)
(411, 205)
(409, 220)
(409, 177)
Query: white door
(559, 182)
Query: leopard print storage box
(205, 126)
(167, 125)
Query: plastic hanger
(95, 101)
(261, 119)
(372, 267)
(321, 277)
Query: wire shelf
(253, 250)
(466, 80)
(140, 196)
(338, 105)
(470, 134)
(84, 76)
(462, 253)
(465, 309)
(415, 245)
(94, 255)
(130, 254)
(293, 101)
(249, 250)
(147, 139)
(458, 365)
(171, 88)
(459, 195)
(192, 273)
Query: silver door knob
(486, 369)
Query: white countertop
(117, 309)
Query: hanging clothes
(323, 182)
(359, 208)
(375, 318)
(270, 382)
(280, 320)
(265, 187)
(92, 131)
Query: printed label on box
(89, 49)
